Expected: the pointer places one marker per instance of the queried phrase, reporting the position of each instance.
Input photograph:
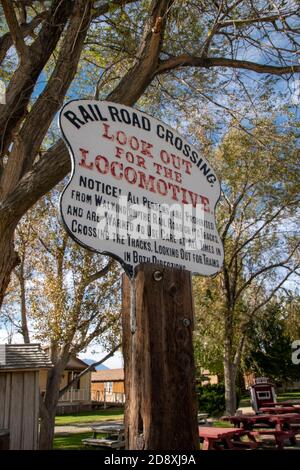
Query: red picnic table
(283, 403)
(281, 426)
(286, 427)
(226, 438)
(248, 421)
(279, 409)
(286, 421)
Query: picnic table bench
(214, 438)
(202, 418)
(114, 436)
(104, 442)
(281, 426)
(279, 409)
(249, 421)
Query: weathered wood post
(160, 410)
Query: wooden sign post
(161, 409)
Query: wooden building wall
(117, 387)
(19, 408)
(97, 387)
(85, 383)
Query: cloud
(5, 337)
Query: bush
(211, 399)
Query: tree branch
(186, 60)
(100, 273)
(262, 304)
(257, 232)
(104, 8)
(234, 209)
(267, 268)
(262, 19)
(141, 73)
(15, 30)
(26, 75)
(32, 133)
(45, 174)
(26, 29)
(55, 163)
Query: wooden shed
(20, 365)
(108, 386)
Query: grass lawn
(71, 441)
(289, 396)
(221, 424)
(90, 416)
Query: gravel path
(81, 427)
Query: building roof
(109, 375)
(23, 357)
(74, 363)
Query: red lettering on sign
(146, 182)
(146, 149)
(113, 167)
(130, 175)
(106, 134)
(175, 191)
(102, 164)
(150, 183)
(84, 154)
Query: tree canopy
(125, 51)
(258, 221)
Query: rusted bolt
(157, 276)
(186, 322)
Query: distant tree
(209, 331)
(291, 314)
(269, 351)
(258, 221)
(71, 302)
(15, 307)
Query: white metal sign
(138, 190)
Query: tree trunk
(47, 428)
(49, 405)
(8, 260)
(161, 408)
(230, 385)
(24, 325)
(229, 367)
